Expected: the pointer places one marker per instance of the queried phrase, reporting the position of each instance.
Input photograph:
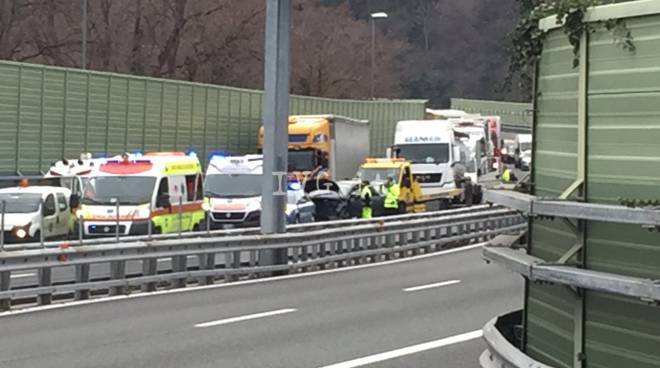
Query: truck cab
(431, 148)
(328, 146)
(30, 213)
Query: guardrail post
(229, 265)
(45, 279)
(374, 244)
(149, 268)
(253, 263)
(42, 230)
(117, 222)
(5, 279)
(180, 215)
(236, 260)
(390, 245)
(82, 275)
(403, 241)
(416, 238)
(360, 244)
(3, 208)
(304, 256)
(81, 229)
(118, 272)
(179, 264)
(428, 237)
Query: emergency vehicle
(131, 191)
(233, 187)
(73, 174)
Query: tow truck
(412, 199)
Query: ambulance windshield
(234, 186)
(127, 190)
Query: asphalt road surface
(425, 312)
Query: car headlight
(22, 232)
(206, 206)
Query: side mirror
(163, 201)
(74, 201)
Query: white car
(30, 212)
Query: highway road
(423, 312)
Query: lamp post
(83, 26)
(372, 19)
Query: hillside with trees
(431, 49)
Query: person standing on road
(391, 191)
(365, 195)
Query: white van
(31, 213)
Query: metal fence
(49, 113)
(80, 272)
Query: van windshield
(235, 186)
(20, 202)
(526, 146)
(437, 153)
(127, 190)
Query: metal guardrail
(535, 269)
(534, 206)
(240, 231)
(236, 256)
(501, 352)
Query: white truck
(431, 147)
(472, 134)
(523, 151)
(233, 190)
(32, 214)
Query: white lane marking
(431, 286)
(238, 283)
(408, 350)
(22, 275)
(245, 318)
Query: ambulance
(233, 187)
(125, 194)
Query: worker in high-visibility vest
(508, 176)
(365, 195)
(391, 191)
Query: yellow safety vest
(392, 196)
(506, 176)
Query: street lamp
(372, 19)
(83, 26)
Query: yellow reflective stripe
(190, 167)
